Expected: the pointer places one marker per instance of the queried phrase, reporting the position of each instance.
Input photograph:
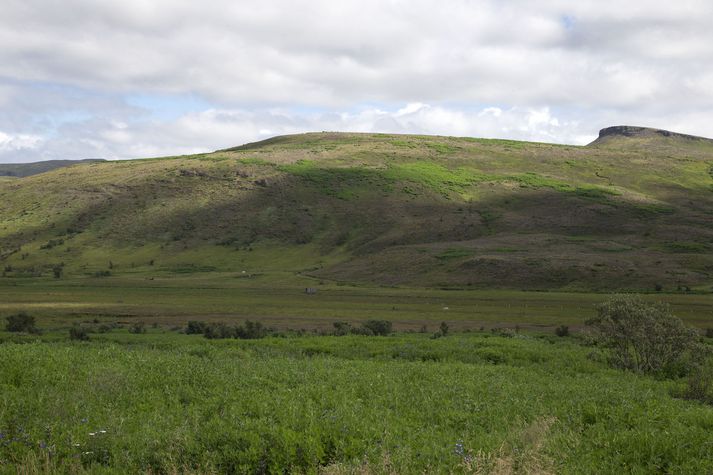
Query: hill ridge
(631, 131)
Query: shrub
(378, 327)
(643, 337)
(217, 331)
(444, 328)
(251, 331)
(342, 328)
(195, 327)
(137, 328)
(79, 333)
(699, 386)
(709, 332)
(562, 330)
(21, 322)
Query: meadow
(476, 402)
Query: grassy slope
(394, 210)
(169, 403)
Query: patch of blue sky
(568, 21)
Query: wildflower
(459, 449)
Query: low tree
(643, 337)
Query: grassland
(469, 403)
(280, 301)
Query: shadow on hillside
(398, 232)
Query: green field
(466, 403)
(280, 301)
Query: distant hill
(20, 170)
(633, 210)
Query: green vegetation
(371, 208)
(166, 403)
(361, 303)
(644, 337)
(21, 322)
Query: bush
(562, 330)
(214, 331)
(378, 327)
(444, 328)
(709, 332)
(195, 327)
(342, 328)
(251, 331)
(699, 386)
(642, 337)
(21, 322)
(137, 328)
(78, 333)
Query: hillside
(632, 210)
(28, 169)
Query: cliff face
(628, 131)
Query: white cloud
(552, 70)
(214, 129)
(13, 143)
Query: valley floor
(499, 394)
(280, 301)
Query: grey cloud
(335, 53)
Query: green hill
(632, 210)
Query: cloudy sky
(138, 78)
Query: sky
(138, 78)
